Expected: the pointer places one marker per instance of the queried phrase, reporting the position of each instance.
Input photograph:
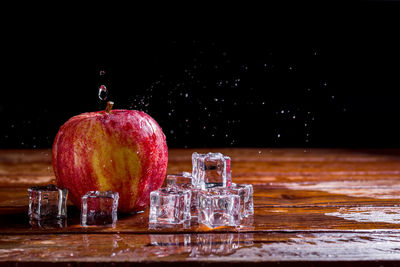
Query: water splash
(103, 92)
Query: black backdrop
(253, 77)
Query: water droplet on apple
(103, 92)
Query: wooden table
(319, 206)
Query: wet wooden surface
(314, 206)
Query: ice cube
(47, 202)
(179, 180)
(219, 207)
(99, 208)
(245, 191)
(183, 181)
(170, 205)
(49, 223)
(210, 170)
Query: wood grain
(319, 206)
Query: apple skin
(124, 151)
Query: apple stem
(109, 106)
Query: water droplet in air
(103, 92)
(259, 152)
(279, 135)
(186, 95)
(102, 72)
(294, 116)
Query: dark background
(254, 76)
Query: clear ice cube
(170, 205)
(178, 180)
(49, 224)
(99, 208)
(210, 170)
(245, 191)
(219, 207)
(183, 181)
(47, 202)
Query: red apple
(124, 151)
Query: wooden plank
(240, 154)
(271, 219)
(201, 248)
(322, 194)
(28, 167)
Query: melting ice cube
(169, 205)
(47, 202)
(219, 207)
(99, 208)
(210, 170)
